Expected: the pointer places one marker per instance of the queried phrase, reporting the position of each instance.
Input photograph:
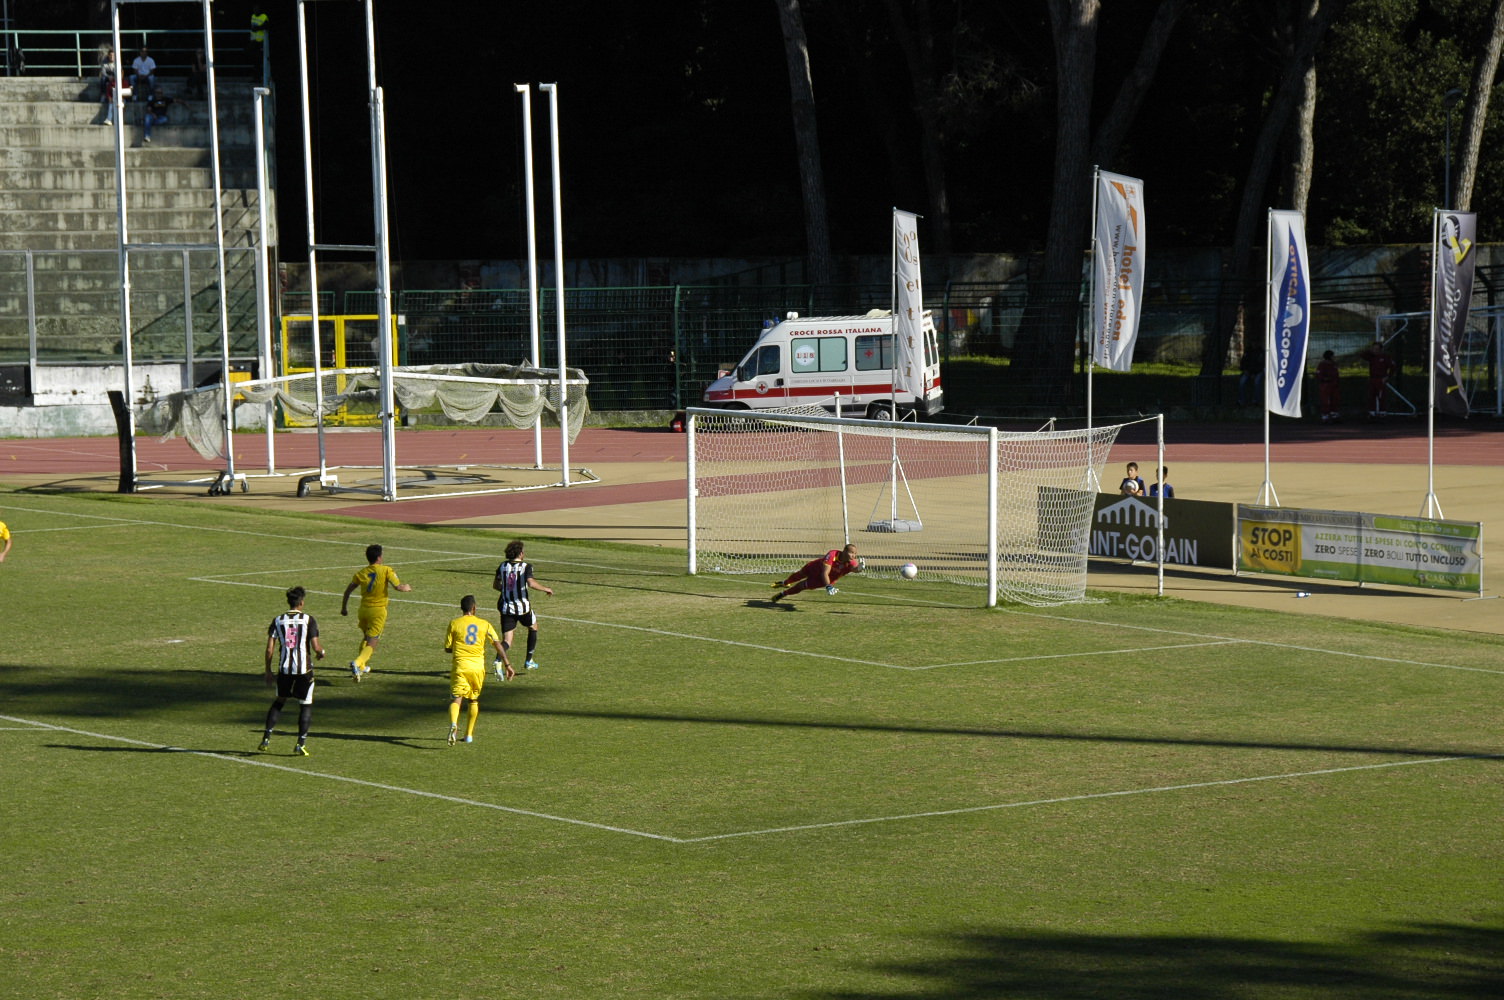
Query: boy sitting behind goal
(821, 572)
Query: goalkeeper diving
(821, 572)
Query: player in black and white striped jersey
(290, 638)
(514, 580)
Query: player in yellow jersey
(5, 538)
(466, 640)
(374, 583)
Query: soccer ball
(908, 571)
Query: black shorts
(510, 622)
(298, 687)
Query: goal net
(1009, 511)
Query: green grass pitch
(888, 793)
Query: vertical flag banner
(1118, 288)
(908, 306)
(1289, 313)
(1451, 294)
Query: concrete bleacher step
(58, 199)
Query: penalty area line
(1087, 797)
(361, 782)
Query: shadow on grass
(132, 694)
(1405, 962)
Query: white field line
(36, 726)
(1260, 642)
(1093, 652)
(259, 762)
(1086, 797)
(1028, 614)
(127, 522)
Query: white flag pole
(552, 89)
(1092, 482)
(1267, 497)
(1432, 507)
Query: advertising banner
(1451, 294)
(1361, 548)
(1289, 313)
(908, 306)
(1198, 533)
(1118, 284)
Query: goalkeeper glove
(832, 590)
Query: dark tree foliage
(677, 137)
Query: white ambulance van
(817, 360)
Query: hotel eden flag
(1289, 312)
(1118, 284)
(908, 306)
(1451, 294)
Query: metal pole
(313, 268)
(126, 355)
(526, 91)
(383, 266)
(263, 272)
(1431, 507)
(553, 131)
(1092, 332)
(219, 247)
(1267, 496)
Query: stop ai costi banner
(1289, 312)
(1360, 548)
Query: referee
(294, 633)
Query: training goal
(463, 393)
(1008, 511)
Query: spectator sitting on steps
(156, 114)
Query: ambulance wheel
(880, 411)
(737, 406)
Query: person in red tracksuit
(821, 572)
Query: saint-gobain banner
(1118, 284)
(1361, 548)
(1198, 533)
(1452, 293)
(1289, 313)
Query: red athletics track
(1396, 442)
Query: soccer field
(887, 793)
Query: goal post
(1007, 511)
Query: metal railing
(71, 53)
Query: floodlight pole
(553, 130)
(536, 360)
(127, 355)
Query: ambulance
(831, 361)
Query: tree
(1241, 270)
(807, 141)
(1049, 330)
(1486, 68)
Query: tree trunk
(1477, 109)
(1239, 272)
(1303, 158)
(1135, 85)
(807, 141)
(918, 46)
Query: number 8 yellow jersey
(468, 638)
